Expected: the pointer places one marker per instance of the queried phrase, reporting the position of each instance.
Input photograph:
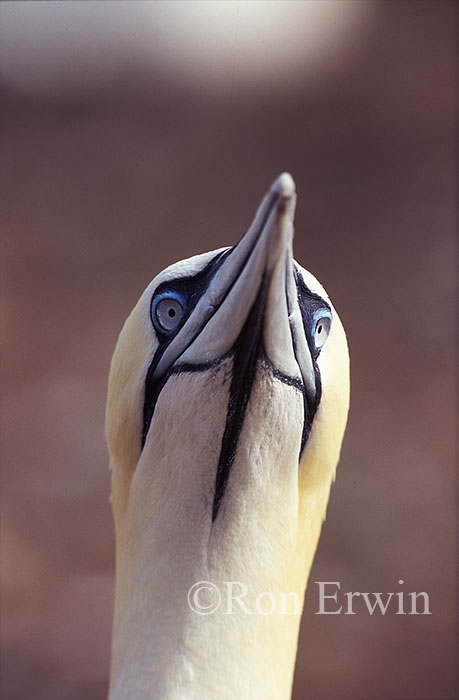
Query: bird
(227, 403)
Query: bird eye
(167, 312)
(321, 327)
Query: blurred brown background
(120, 156)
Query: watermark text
(394, 603)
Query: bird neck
(170, 643)
(164, 647)
(256, 556)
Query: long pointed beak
(262, 262)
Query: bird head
(227, 403)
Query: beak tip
(284, 186)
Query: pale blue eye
(321, 325)
(167, 311)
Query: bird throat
(247, 352)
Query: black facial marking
(310, 408)
(192, 289)
(246, 351)
(309, 303)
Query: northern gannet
(227, 403)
